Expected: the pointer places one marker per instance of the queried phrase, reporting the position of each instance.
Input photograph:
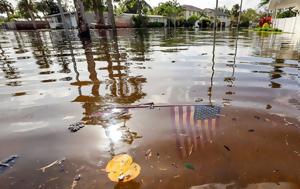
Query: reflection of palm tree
(9, 70)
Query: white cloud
(211, 3)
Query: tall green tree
(6, 7)
(135, 6)
(170, 9)
(97, 6)
(47, 7)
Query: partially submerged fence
(291, 25)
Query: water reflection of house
(221, 16)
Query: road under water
(226, 108)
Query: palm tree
(263, 3)
(6, 7)
(111, 16)
(83, 27)
(97, 7)
(27, 9)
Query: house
(221, 16)
(189, 10)
(55, 20)
(291, 24)
(281, 4)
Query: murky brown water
(247, 138)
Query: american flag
(194, 125)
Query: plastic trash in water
(7, 163)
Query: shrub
(192, 20)
(140, 21)
(205, 22)
(264, 20)
(155, 24)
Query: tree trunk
(139, 7)
(62, 15)
(111, 16)
(98, 11)
(82, 24)
(30, 12)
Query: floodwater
(226, 108)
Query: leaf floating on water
(43, 169)
(189, 166)
(122, 168)
(256, 117)
(227, 148)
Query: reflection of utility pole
(213, 69)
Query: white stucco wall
(291, 25)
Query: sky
(200, 3)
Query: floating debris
(189, 166)
(174, 165)
(256, 117)
(7, 163)
(163, 169)
(122, 168)
(75, 181)
(287, 122)
(148, 154)
(57, 162)
(76, 127)
(268, 106)
(251, 130)
(227, 148)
